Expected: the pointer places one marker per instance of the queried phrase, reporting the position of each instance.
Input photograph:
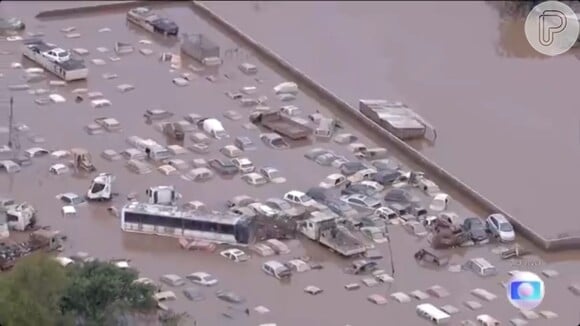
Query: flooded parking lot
(95, 231)
(476, 85)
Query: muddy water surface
(96, 232)
(495, 103)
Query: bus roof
(176, 212)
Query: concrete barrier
(114, 5)
(428, 166)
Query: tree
(100, 293)
(30, 294)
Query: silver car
(361, 201)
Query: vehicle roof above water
(176, 212)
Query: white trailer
(55, 60)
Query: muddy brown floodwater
(471, 75)
(95, 231)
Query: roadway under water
(96, 232)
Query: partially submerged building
(201, 48)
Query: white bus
(172, 221)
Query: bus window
(131, 217)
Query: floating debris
(16, 65)
(261, 310)
(73, 35)
(94, 95)
(103, 49)
(104, 30)
(123, 48)
(575, 288)
(145, 42)
(352, 286)
(114, 59)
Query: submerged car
(350, 168)
(374, 233)
(500, 227)
(361, 201)
(202, 278)
(358, 188)
(11, 24)
(401, 196)
(223, 166)
(476, 229)
(285, 208)
(230, 297)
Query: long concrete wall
(426, 165)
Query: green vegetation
(41, 292)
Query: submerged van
(432, 313)
(326, 127)
(276, 269)
(481, 267)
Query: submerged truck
(322, 227)
(56, 60)
(282, 124)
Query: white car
(377, 187)
(262, 209)
(202, 278)
(254, 179)
(272, 175)
(235, 255)
(333, 180)
(501, 227)
(300, 198)
(366, 174)
(244, 164)
(58, 169)
(57, 55)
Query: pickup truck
(282, 124)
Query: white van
(214, 127)
(325, 128)
(276, 269)
(432, 313)
(481, 267)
